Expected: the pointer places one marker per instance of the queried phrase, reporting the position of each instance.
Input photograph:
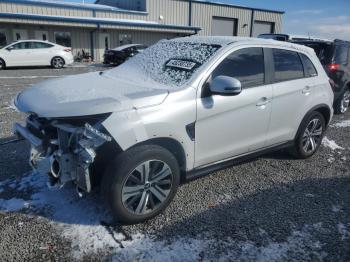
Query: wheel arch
(3, 61)
(323, 109)
(172, 145)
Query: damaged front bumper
(63, 151)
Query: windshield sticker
(181, 64)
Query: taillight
(67, 50)
(333, 67)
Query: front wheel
(140, 183)
(57, 62)
(309, 137)
(343, 103)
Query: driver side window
(246, 65)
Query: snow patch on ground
(13, 204)
(343, 231)
(331, 160)
(336, 209)
(191, 249)
(331, 144)
(11, 106)
(83, 222)
(345, 123)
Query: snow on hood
(88, 94)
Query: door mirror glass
(225, 85)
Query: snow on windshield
(172, 63)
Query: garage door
(224, 26)
(263, 28)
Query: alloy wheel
(312, 136)
(147, 187)
(1, 64)
(57, 62)
(345, 102)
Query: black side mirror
(226, 86)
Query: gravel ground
(271, 208)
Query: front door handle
(307, 90)
(263, 102)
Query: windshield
(171, 63)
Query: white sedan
(35, 53)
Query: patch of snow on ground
(345, 123)
(13, 204)
(331, 144)
(191, 249)
(343, 231)
(336, 209)
(331, 160)
(79, 220)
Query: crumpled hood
(87, 94)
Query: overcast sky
(323, 18)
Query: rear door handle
(262, 102)
(307, 90)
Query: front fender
(126, 128)
(168, 120)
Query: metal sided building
(110, 23)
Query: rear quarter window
(288, 65)
(310, 69)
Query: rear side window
(41, 45)
(341, 54)
(310, 69)
(288, 65)
(247, 65)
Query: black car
(335, 56)
(120, 54)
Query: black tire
(300, 142)
(2, 64)
(341, 106)
(119, 173)
(57, 62)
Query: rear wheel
(309, 137)
(57, 62)
(343, 103)
(2, 64)
(140, 183)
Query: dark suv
(335, 57)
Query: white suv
(35, 53)
(182, 108)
